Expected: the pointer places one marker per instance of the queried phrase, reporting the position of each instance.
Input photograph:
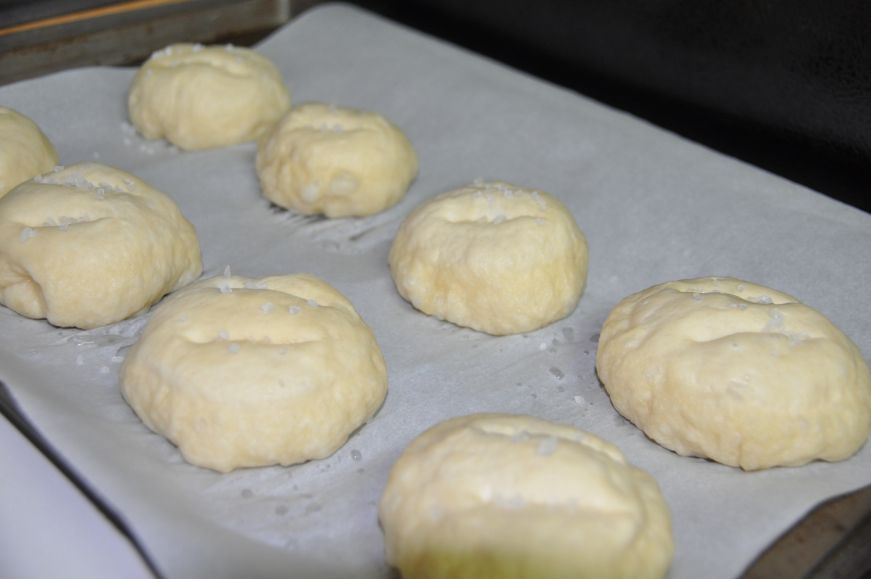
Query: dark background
(782, 84)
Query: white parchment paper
(653, 206)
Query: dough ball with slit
(201, 97)
(91, 245)
(493, 495)
(491, 256)
(736, 372)
(25, 151)
(242, 372)
(335, 161)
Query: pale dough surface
(491, 256)
(90, 245)
(512, 496)
(241, 372)
(201, 97)
(25, 151)
(736, 372)
(335, 161)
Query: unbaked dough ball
(25, 151)
(90, 245)
(514, 497)
(736, 372)
(244, 372)
(491, 256)
(200, 97)
(335, 161)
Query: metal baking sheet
(654, 207)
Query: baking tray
(653, 206)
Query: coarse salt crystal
(311, 303)
(233, 348)
(227, 271)
(293, 310)
(266, 308)
(521, 436)
(27, 233)
(224, 335)
(547, 446)
(510, 502)
(310, 193)
(775, 321)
